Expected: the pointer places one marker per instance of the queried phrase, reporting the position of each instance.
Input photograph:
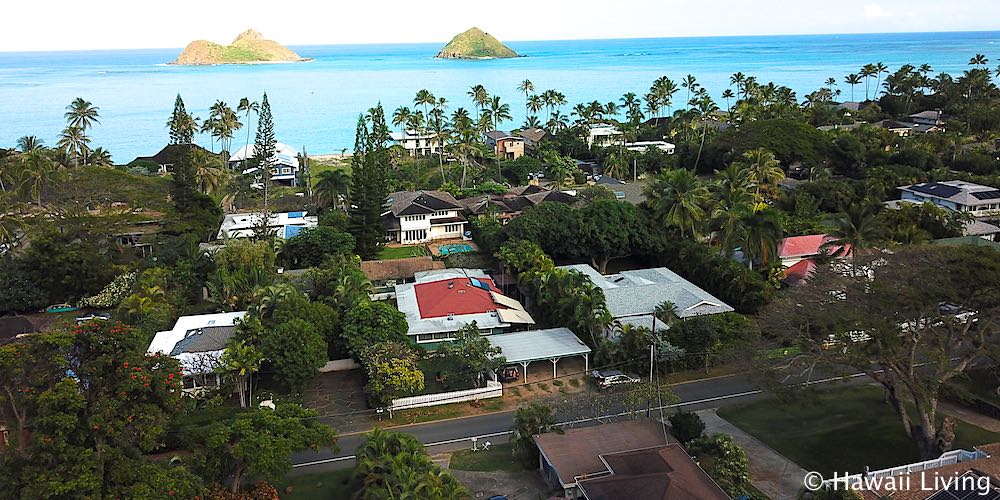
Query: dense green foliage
(368, 323)
(470, 357)
(393, 464)
(312, 246)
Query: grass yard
(840, 430)
(497, 458)
(391, 253)
(331, 485)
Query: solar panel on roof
(936, 189)
(987, 195)
(479, 284)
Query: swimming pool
(454, 248)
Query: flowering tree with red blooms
(92, 403)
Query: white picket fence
(493, 389)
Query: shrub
(686, 426)
(112, 294)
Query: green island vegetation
(248, 48)
(139, 240)
(475, 43)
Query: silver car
(608, 378)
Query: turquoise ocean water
(316, 104)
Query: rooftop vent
(451, 284)
(451, 316)
(461, 292)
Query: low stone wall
(493, 389)
(340, 365)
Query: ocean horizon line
(442, 42)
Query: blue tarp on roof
(291, 231)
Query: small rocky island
(248, 48)
(476, 44)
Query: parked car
(509, 374)
(610, 378)
(60, 308)
(84, 317)
(103, 316)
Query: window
(453, 228)
(442, 213)
(286, 170)
(412, 218)
(415, 235)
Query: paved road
(454, 434)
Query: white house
(422, 216)
(440, 302)
(283, 224)
(603, 134)
(198, 343)
(284, 163)
(958, 196)
(633, 296)
(417, 143)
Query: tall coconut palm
(479, 97)
(224, 122)
(880, 68)
(678, 199)
(867, 71)
(401, 117)
(705, 107)
(75, 144)
(733, 199)
(37, 170)
(763, 232)
(527, 88)
(691, 84)
(727, 95)
(978, 60)
(330, 186)
(29, 143)
(81, 114)
(535, 104)
(737, 81)
(765, 170)
(439, 124)
(499, 111)
(858, 228)
(249, 107)
(208, 171)
(852, 80)
(616, 163)
(424, 98)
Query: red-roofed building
(798, 254)
(443, 301)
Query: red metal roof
(456, 296)
(800, 272)
(805, 246)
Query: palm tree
(705, 107)
(208, 171)
(527, 87)
(29, 143)
(100, 157)
(479, 97)
(617, 163)
(401, 117)
(856, 229)
(691, 84)
(763, 232)
(978, 60)
(224, 121)
(852, 80)
(733, 200)
(331, 185)
(82, 114)
(500, 112)
(75, 144)
(530, 421)
(765, 170)
(426, 98)
(557, 121)
(867, 71)
(241, 358)
(535, 104)
(12, 223)
(531, 122)
(37, 170)
(247, 106)
(879, 69)
(677, 199)
(737, 80)
(727, 95)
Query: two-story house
(421, 216)
(284, 163)
(504, 145)
(417, 143)
(603, 134)
(959, 196)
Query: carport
(541, 345)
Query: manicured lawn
(840, 430)
(331, 485)
(390, 253)
(497, 458)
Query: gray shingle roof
(420, 202)
(639, 292)
(207, 339)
